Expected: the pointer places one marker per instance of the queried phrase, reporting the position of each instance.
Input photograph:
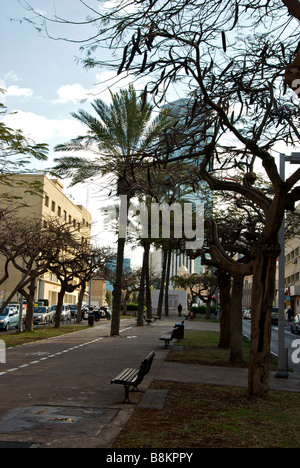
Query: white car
(42, 314)
(65, 314)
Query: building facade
(292, 274)
(50, 202)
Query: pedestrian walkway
(91, 414)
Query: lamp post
(282, 371)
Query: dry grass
(208, 416)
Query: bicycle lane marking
(50, 356)
(59, 353)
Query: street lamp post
(282, 371)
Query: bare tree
(29, 247)
(236, 60)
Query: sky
(44, 84)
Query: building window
(46, 200)
(53, 206)
(59, 211)
(65, 215)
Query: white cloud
(72, 93)
(11, 75)
(105, 81)
(42, 129)
(15, 90)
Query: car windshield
(40, 310)
(4, 312)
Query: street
(289, 339)
(48, 385)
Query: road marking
(51, 356)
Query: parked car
(9, 317)
(42, 314)
(247, 314)
(274, 315)
(73, 309)
(17, 306)
(65, 314)
(295, 325)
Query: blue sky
(44, 84)
(43, 80)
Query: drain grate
(8, 444)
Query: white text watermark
(161, 220)
(2, 352)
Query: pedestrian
(179, 308)
(290, 314)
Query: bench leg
(126, 399)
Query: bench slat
(127, 375)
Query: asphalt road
(289, 340)
(67, 379)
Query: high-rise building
(180, 109)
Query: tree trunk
(263, 291)
(125, 300)
(29, 296)
(236, 320)
(80, 299)
(60, 301)
(224, 284)
(117, 289)
(167, 283)
(208, 304)
(148, 285)
(141, 296)
(162, 286)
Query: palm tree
(118, 138)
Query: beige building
(51, 202)
(292, 274)
(98, 292)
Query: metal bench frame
(169, 337)
(133, 377)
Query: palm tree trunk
(162, 285)
(141, 297)
(167, 283)
(148, 286)
(117, 289)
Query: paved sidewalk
(95, 417)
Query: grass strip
(41, 333)
(211, 416)
(208, 416)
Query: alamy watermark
(296, 86)
(296, 354)
(161, 220)
(2, 352)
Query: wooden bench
(133, 377)
(169, 337)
